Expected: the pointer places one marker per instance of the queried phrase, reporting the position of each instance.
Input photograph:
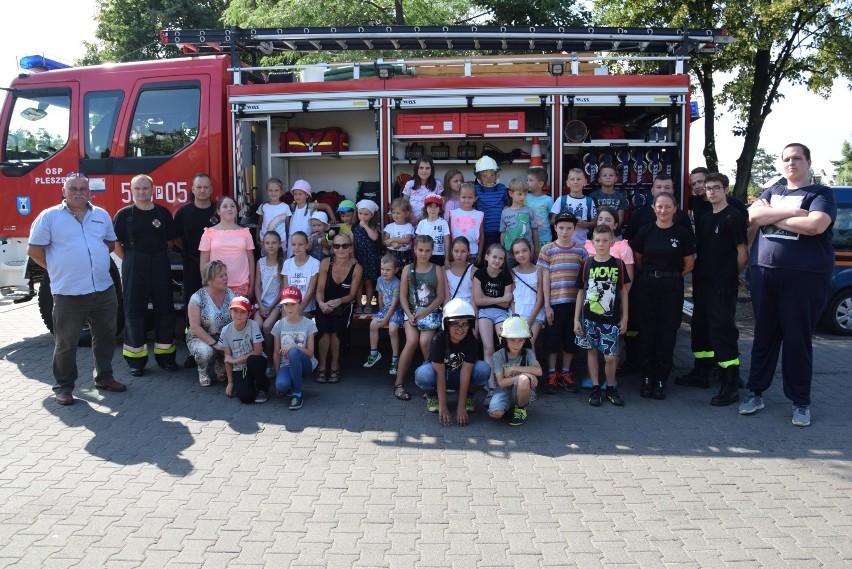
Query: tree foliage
(531, 13)
(777, 41)
(128, 30)
(843, 177)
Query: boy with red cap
(242, 342)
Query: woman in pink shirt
(231, 244)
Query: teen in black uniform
(190, 222)
(145, 231)
(663, 253)
(721, 254)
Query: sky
(57, 29)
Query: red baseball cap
(241, 303)
(291, 295)
(433, 198)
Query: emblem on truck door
(23, 205)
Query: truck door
(161, 133)
(40, 147)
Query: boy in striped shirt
(560, 263)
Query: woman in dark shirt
(663, 252)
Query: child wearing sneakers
(601, 312)
(389, 314)
(516, 370)
(452, 364)
(294, 347)
(560, 262)
(242, 343)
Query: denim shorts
(504, 399)
(496, 315)
(431, 321)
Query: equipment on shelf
(413, 151)
(440, 151)
(329, 139)
(466, 151)
(576, 131)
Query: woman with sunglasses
(339, 280)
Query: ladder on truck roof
(266, 41)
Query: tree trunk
(399, 12)
(759, 106)
(705, 80)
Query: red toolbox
(428, 123)
(331, 139)
(493, 123)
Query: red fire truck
(351, 128)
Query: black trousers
(787, 306)
(251, 379)
(714, 326)
(147, 277)
(659, 310)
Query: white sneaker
(801, 415)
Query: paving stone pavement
(169, 474)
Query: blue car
(838, 313)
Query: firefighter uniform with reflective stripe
(145, 236)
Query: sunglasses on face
(341, 245)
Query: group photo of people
(480, 286)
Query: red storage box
(432, 123)
(493, 123)
(331, 139)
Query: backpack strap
(458, 286)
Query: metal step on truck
(351, 128)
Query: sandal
(204, 381)
(322, 376)
(400, 393)
(334, 376)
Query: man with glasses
(145, 232)
(72, 241)
(720, 243)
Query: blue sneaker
(801, 415)
(295, 402)
(586, 383)
(752, 404)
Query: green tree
(128, 30)
(843, 177)
(763, 171)
(777, 41)
(531, 13)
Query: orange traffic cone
(535, 155)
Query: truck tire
(45, 306)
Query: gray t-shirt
(517, 223)
(241, 342)
(296, 334)
(500, 362)
(617, 200)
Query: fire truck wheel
(45, 306)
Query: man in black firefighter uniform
(720, 240)
(145, 232)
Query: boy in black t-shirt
(452, 364)
(601, 313)
(720, 240)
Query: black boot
(647, 389)
(700, 375)
(660, 388)
(729, 392)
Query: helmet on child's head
(485, 163)
(457, 309)
(515, 327)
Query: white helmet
(485, 163)
(457, 309)
(515, 327)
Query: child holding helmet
(516, 371)
(491, 198)
(452, 364)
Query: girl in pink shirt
(228, 242)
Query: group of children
(483, 244)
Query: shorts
(599, 336)
(331, 324)
(240, 290)
(431, 321)
(397, 317)
(560, 335)
(496, 315)
(505, 399)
